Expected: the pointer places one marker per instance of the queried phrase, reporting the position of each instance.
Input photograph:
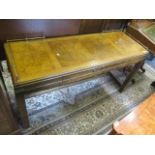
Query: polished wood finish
(143, 31)
(140, 121)
(38, 59)
(136, 29)
(45, 63)
(8, 125)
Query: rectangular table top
(38, 59)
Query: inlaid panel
(144, 32)
(150, 32)
(36, 59)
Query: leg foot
(133, 81)
(143, 70)
(153, 84)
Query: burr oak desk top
(34, 60)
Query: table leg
(143, 70)
(22, 110)
(129, 77)
(113, 132)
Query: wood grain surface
(37, 59)
(139, 121)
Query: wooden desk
(144, 32)
(46, 63)
(139, 121)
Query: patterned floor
(89, 107)
(94, 110)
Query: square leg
(22, 110)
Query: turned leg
(22, 110)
